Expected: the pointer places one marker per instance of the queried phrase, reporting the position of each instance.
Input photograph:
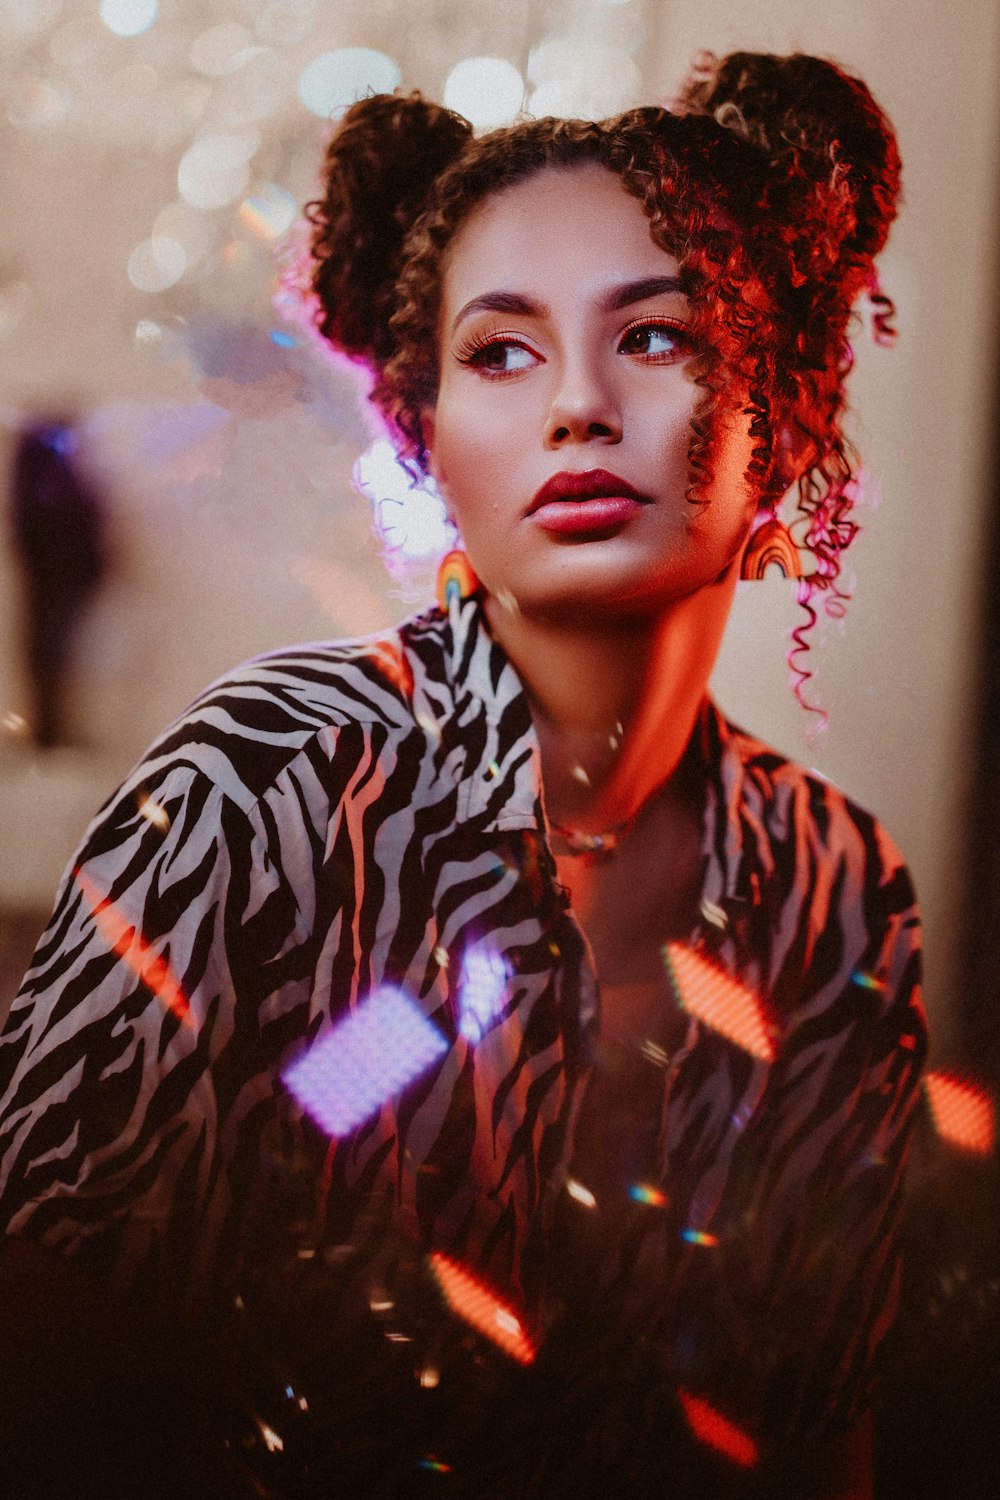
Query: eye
(497, 356)
(657, 342)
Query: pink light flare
(716, 1431)
(135, 952)
(709, 994)
(476, 1305)
(962, 1113)
(482, 991)
(365, 1059)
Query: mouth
(586, 505)
(590, 484)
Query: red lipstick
(588, 501)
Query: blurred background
(176, 458)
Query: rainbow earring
(455, 578)
(771, 543)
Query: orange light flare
(962, 1113)
(710, 994)
(133, 950)
(716, 1431)
(476, 1305)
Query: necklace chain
(595, 843)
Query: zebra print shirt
(336, 818)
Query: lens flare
(716, 1431)
(709, 994)
(962, 1113)
(367, 1058)
(134, 951)
(476, 1305)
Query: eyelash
(469, 353)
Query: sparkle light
(335, 80)
(868, 982)
(482, 991)
(365, 1059)
(580, 1194)
(712, 1428)
(962, 1112)
(156, 264)
(488, 91)
(711, 995)
(476, 1305)
(154, 812)
(134, 951)
(128, 17)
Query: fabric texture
(334, 819)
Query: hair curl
(773, 181)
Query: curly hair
(772, 180)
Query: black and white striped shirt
(333, 820)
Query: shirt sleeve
(133, 1083)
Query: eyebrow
(625, 295)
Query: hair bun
(383, 157)
(822, 135)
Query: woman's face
(561, 429)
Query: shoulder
(248, 728)
(806, 816)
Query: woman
(488, 947)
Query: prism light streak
(716, 1431)
(962, 1113)
(476, 1305)
(366, 1058)
(135, 952)
(709, 994)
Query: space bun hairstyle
(772, 180)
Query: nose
(584, 409)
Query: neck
(613, 700)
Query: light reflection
(482, 991)
(269, 211)
(135, 952)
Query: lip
(588, 484)
(586, 503)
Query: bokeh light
(716, 1431)
(128, 17)
(195, 231)
(962, 1112)
(335, 80)
(215, 171)
(488, 91)
(38, 103)
(221, 49)
(269, 211)
(156, 264)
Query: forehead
(564, 229)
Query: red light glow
(709, 994)
(133, 950)
(476, 1305)
(716, 1431)
(962, 1113)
